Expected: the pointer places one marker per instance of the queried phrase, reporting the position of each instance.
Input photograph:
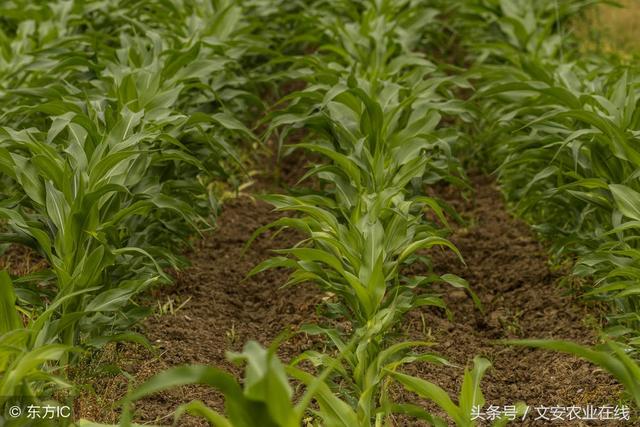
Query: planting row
(562, 130)
(109, 147)
(371, 112)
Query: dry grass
(19, 260)
(612, 29)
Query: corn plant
(367, 225)
(580, 159)
(20, 365)
(264, 399)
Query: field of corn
(344, 213)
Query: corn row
(564, 130)
(109, 143)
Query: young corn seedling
(20, 364)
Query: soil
(20, 260)
(219, 310)
(522, 297)
(505, 264)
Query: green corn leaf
(427, 243)
(9, 319)
(199, 409)
(185, 375)
(627, 201)
(29, 365)
(471, 394)
(57, 207)
(266, 381)
(459, 282)
(434, 393)
(334, 412)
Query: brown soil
(20, 260)
(222, 310)
(509, 271)
(506, 267)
